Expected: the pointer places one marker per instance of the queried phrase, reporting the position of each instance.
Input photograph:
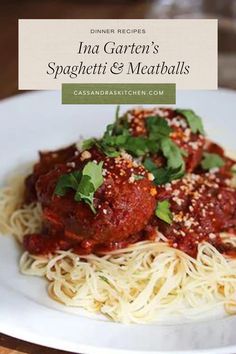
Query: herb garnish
(117, 138)
(156, 140)
(138, 177)
(164, 174)
(172, 153)
(110, 142)
(85, 183)
(211, 160)
(157, 127)
(88, 143)
(163, 211)
(194, 121)
(117, 114)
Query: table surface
(9, 345)
(11, 11)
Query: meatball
(191, 143)
(124, 204)
(202, 207)
(47, 160)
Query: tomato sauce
(202, 204)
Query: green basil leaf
(85, 192)
(113, 139)
(70, 180)
(211, 160)
(153, 146)
(117, 114)
(85, 183)
(94, 171)
(163, 175)
(194, 121)
(163, 211)
(136, 146)
(110, 151)
(88, 143)
(138, 177)
(172, 153)
(157, 127)
(150, 166)
(166, 175)
(121, 126)
(91, 180)
(109, 130)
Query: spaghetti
(138, 284)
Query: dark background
(11, 11)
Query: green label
(118, 93)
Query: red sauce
(47, 161)
(202, 204)
(202, 207)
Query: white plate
(36, 121)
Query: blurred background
(12, 10)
